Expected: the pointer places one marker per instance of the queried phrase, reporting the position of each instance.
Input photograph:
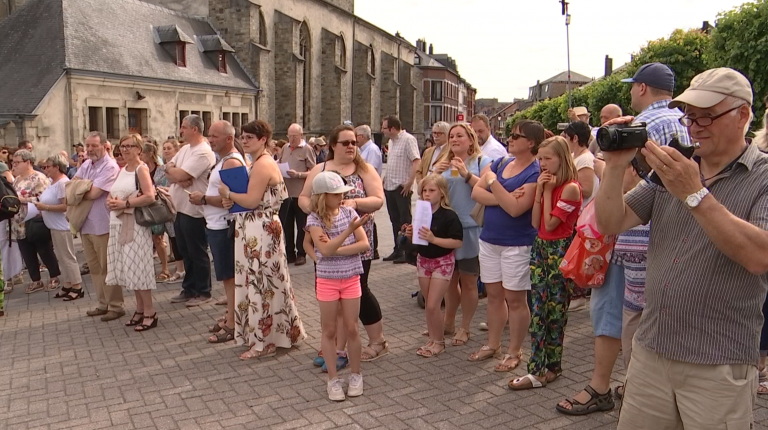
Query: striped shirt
(701, 306)
(402, 151)
(336, 266)
(631, 251)
(663, 123)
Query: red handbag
(587, 259)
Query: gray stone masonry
(330, 84)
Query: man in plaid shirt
(402, 164)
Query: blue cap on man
(654, 75)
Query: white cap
(329, 183)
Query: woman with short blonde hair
(129, 251)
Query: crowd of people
(682, 296)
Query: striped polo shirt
(701, 306)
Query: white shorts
(510, 265)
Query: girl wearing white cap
(338, 236)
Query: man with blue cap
(652, 88)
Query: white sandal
(535, 383)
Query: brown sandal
(163, 277)
(253, 353)
(370, 352)
(503, 367)
(484, 353)
(225, 335)
(34, 287)
(53, 284)
(433, 348)
(461, 338)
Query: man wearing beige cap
(695, 351)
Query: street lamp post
(567, 15)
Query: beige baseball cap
(580, 110)
(713, 86)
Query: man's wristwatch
(127, 203)
(202, 200)
(695, 199)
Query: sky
(502, 47)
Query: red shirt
(568, 212)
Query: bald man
(607, 113)
(301, 159)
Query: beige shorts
(662, 394)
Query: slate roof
(44, 38)
(563, 77)
(428, 61)
(171, 33)
(214, 43)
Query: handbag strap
(136, 177)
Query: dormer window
(222, 62)
(215, 48)
(174, 42)
(181, 54)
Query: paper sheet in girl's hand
(422, 217)
(31, 212)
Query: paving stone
(62, 370)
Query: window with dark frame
(181, 54)
(113, 123)
(95, 119)
(437, 91)
(222, 62)
(206, 123)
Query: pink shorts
(438, 268)
(331, 290)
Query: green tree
(740, 41)
(685, 52)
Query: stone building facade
(113, 81)
(319, 65)
(315, 62)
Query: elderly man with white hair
(301, 159)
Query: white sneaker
(355, 385)
(335, 390)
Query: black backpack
(9, 200)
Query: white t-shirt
(196, 161)
(493, 149)
(52, 196)
(215, 217)
(583, 161)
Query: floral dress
(29, 188)
(265, 307)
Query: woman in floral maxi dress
(266, 316)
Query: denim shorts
(223, 250)
(607, 304)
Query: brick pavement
(62, 370)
